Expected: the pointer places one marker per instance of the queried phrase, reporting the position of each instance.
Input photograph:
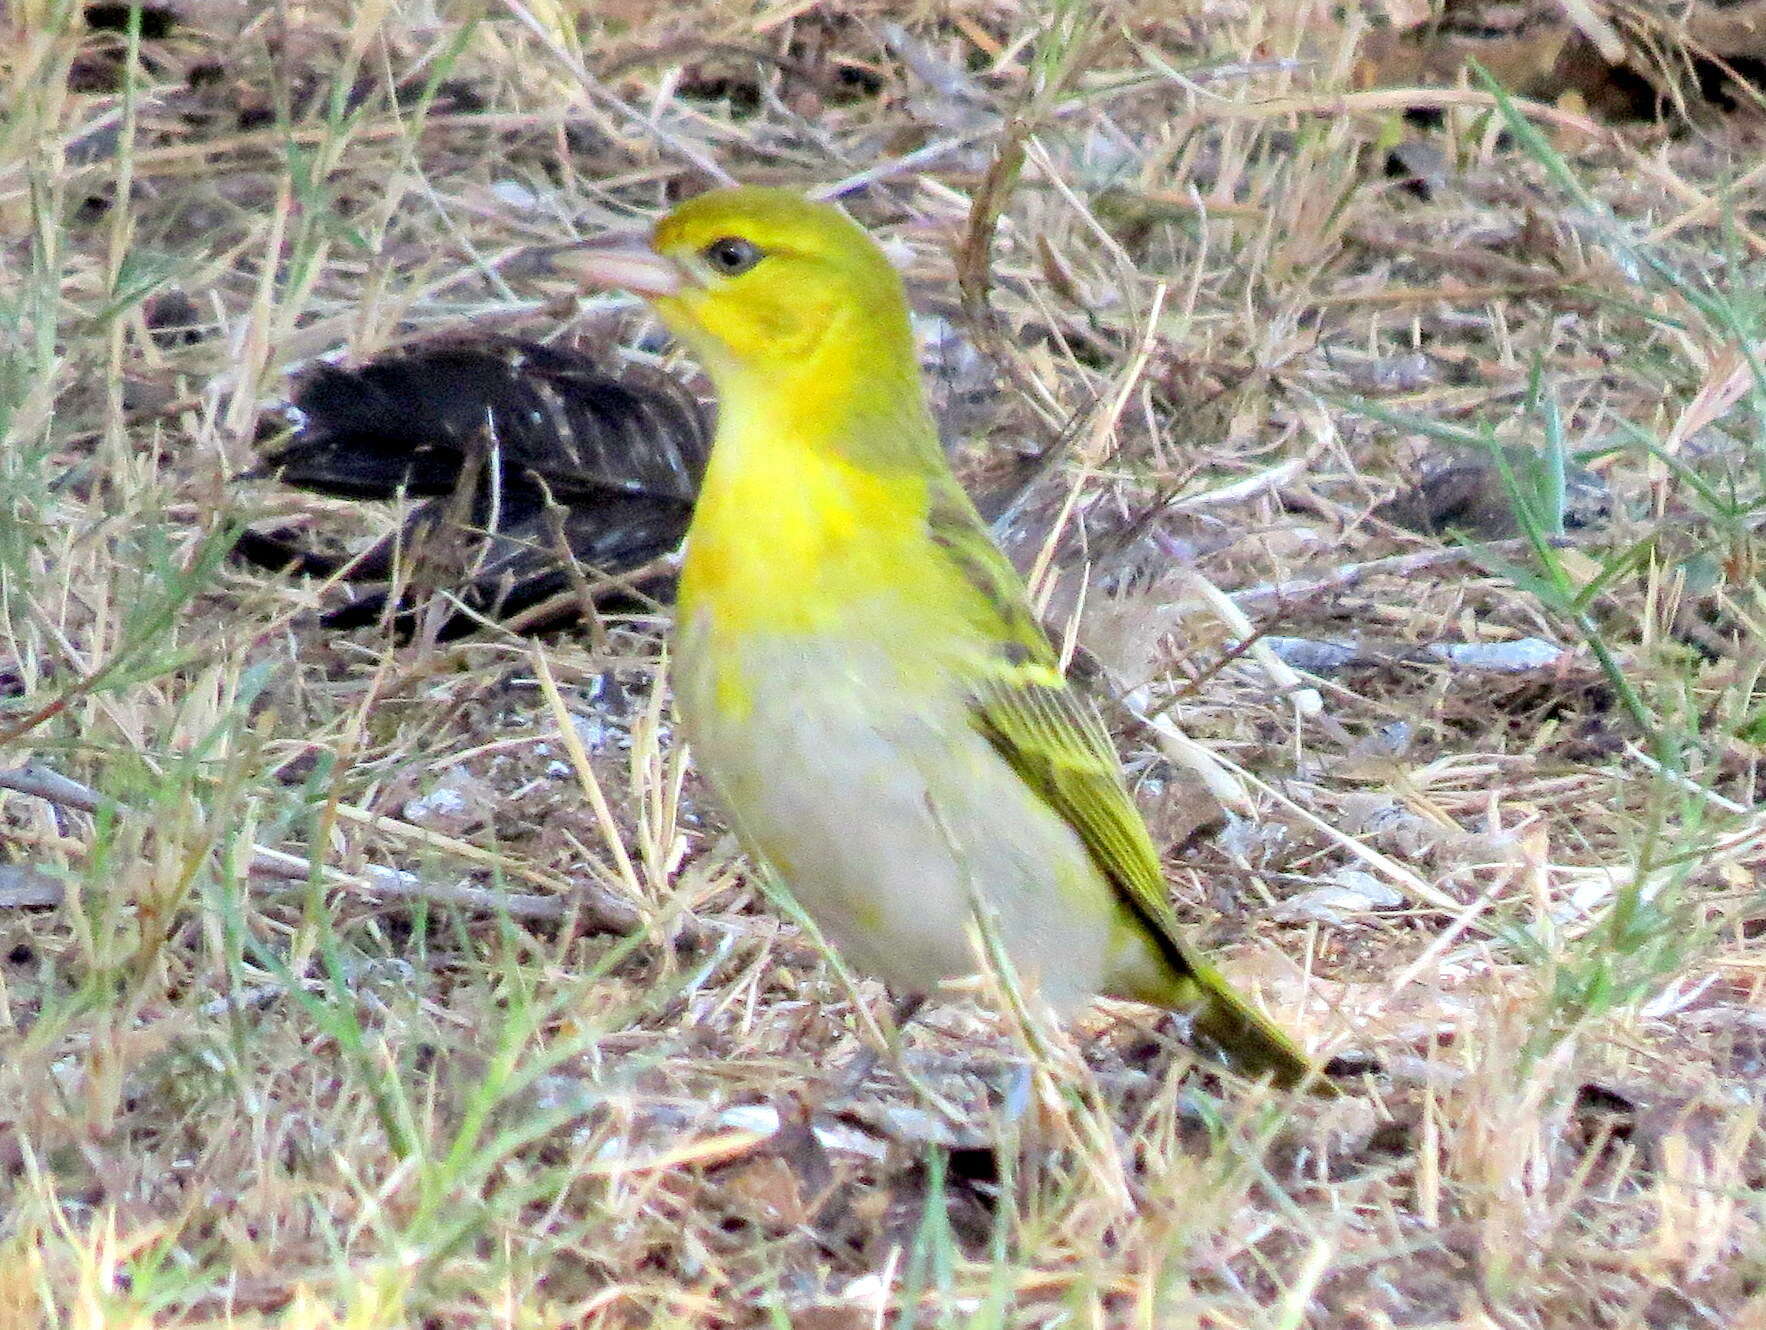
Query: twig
(1270, 479)
(1197, 758)
(553, 514)
(974, 262)
(1227, 610)
(629, 580)
(597, 910)
(24, 887)
(1398, 565)
(41, 782)
(379, 880)
(1412, 884)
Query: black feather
(408, 423)
(491, 435)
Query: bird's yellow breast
(793, 540)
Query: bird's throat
(793, 533)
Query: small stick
(25, 887)
(599, 911)
(554, 514)
(626, 581)
(1400, 565)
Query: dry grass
(253, 1075)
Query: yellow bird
(858, 669)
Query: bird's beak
(625, 263)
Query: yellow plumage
(858, 668)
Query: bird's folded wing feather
(1053, 738)
(1055, 742)
(1048, 734)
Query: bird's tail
(1225, 1027)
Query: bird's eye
(732, 256)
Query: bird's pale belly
(890, 819)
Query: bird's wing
(1048, 734)
(1057, 744)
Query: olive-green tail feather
(1241, 1038)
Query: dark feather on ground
(514, 448)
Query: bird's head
(762, 282)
